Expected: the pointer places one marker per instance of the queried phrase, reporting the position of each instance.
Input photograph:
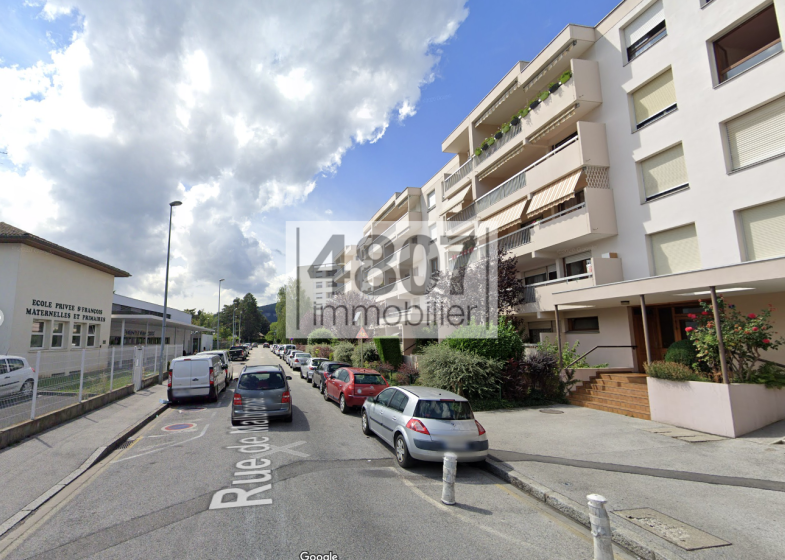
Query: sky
(252, 113)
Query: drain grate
(127, 443)
(672, 530)
(551, 411)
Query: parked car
(325, 368)
(196, 376)
(255, 345)
(226, 362)
(16, 376)
(299, 361)
(313, 363)
(262, 392)
(423, 423)
(349, 386)
(237, 353)
(289, 355)
(284, 349)
(266, 345)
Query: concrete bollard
(448, 478)
(600, 527)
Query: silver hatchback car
(262, 393)
(424, 423)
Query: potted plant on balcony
(553, 86)
(565, 77)
(505, 128)
(544, 95)
(533, 105)
(523, 112)
(515, 120)
(491, 141)
(478, 152)
(485, 145)
(498, 135)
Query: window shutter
(764, 230)
(664, 171)
(644, 23)
(675, 250)
(654, 97)
(758, 135)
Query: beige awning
(508, 216)
(458, 200)
(554, 194)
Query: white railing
(384, 233)
(530, 290)
(511, 185)
(551, 154)
(462, 172)
(562, 213)
(497, 145)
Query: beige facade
(638, 157)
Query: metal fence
(65, 378)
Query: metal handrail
(564, 279)
(392, 226)
(463, 216)
(459, 174)
(551, 154)
(513, 132)
(579, 358)
(562, 213)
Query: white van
(196, 376)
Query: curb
(575, 511)
(98, 455)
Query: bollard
(600, 527)
(448, 478)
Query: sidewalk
(731, 489)
(34, 467)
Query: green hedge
(498, 343)
(389, 349)
(321, 336)
(682, 352)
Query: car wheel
(288, 419)
(313, 382)
(321, 387)
(212, 396)
(234, 422)
(402, 453)
(342, 405)
(366, 428)
(27, 387)
(326, 396)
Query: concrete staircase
(620, 393)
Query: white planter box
(714, 408)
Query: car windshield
(368, 379)
(261, 381)
(302, 356)
(333, 367)
(444, 410)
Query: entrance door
(640, 339)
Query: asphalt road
(332, 490)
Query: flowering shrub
(744, 336)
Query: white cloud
(246, 103)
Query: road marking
(162, 446)
(284, 448)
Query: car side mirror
(289, 377)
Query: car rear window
(262, 381)
(444, 410)
(368, 379)
(332, 367)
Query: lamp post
(166, 292)
(218, 338)
(233, 310)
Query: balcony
(590, 221)
(539, 297)
(454, 179)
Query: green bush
(321, 351)
(464, 373)
(770, 375)
(672, 371)
(569, 354)
(321, 336)
(682, 352)
(369, 355)
(501, 343)
(343, 352)
(389, 350)
(565, 77)
(544, 95)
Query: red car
(349, 387)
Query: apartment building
(318, 282)
(630, 167)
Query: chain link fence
(65, 378)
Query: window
(91, 332)
(664, 172)
(385, 396)
(434, 265)
(764, 230)
(583, 324)
(577, 264)
(561, 143)
(645, 31)
(37, 338)
(3, 367)
(749, 44)
(431, 200)
(675, 250)
(318, 285)
(76, 336)
(758, 135)
(15, 364)
(319, 296)
(399, 401)
(57, 335)
(540, 275)
(654, 99)
(536, 328)
(432, 232)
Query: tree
(339, 312)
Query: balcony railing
(508, 242)
(511, 185)
(463, 216)
(462, 172)
(513, 132)
(562, 213)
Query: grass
(94, 383)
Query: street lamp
(218, 338)
(166, 292)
